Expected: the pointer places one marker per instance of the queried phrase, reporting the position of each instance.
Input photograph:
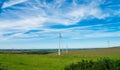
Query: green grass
(49, 61)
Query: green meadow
(53, 61)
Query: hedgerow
(100, 64)
(1, 67)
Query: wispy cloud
(20, 16)
(12, 2)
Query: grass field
(53, 61)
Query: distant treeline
(25, 51)
(101, 64)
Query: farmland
(52, 61)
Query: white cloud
(12, 2)
(84, 32)
(20, 26)
(27, 23)
(103, 34)
(36, 15)
(86, 12)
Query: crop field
(52, 61)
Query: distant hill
(99, 51)
(115, 47)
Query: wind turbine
(59, 50)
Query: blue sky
(35, 24)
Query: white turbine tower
(59, 50)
